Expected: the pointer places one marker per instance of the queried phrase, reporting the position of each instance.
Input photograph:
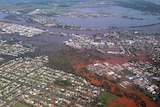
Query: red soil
(92, 80)
(123, 100)
(120, 100)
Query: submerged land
(78, 53)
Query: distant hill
(142, 5)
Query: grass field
(20, 104)
(121, 105)
(106, 98)
(127, 72)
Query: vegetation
(61, 63)
(84, 70)
(127, 72)
(142, 5)
(142, 103)
(105, 98)
(121, 105)
(145, 25)
(63, 83)
(20, 104)
(106, 86)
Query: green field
(121, 105)
(63, 83)
(20, 104)
(127, 72)
(106, 98)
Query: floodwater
(120, 17)
(2, 15)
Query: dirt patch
(123, 100)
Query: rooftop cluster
(132, 73)
(83, 42)
(117, 43)
(30, 81)
(22, 30)
(14, 49)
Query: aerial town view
(79, 53)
